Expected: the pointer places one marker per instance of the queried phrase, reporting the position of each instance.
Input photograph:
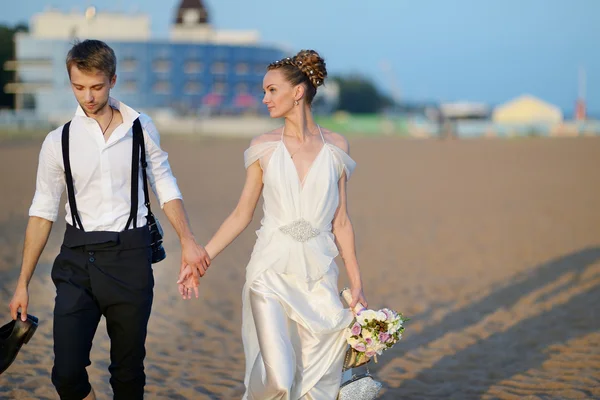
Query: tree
(7, 52)
(359, 95)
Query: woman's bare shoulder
(272, 136)
(336, 139)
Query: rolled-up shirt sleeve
(50, 181)
(162, 181)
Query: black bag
(156, 232)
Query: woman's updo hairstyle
(305, 67)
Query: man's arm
(50, 184)
(165, 187)
(192, 253)
(36, 237)
(175, 212)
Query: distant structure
(196, 68)
(580, 106)
(192, 24)
(465, 110)
(527, 109)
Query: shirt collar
(129, 114)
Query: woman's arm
(230, 229)
(241, 216)
(344, 236)
(342, 227)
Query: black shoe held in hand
(12, 336)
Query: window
(242, 69)
(219, 67)
(161, 65)
(219, 87)
(162, 87)
(241, 87)
(129, 64)
(192, 88)
(192, 67)
(129, 86)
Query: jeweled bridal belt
(300, 230)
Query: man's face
(91, 89)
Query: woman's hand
(358, 297)
(189, 280)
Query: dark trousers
(95, 274)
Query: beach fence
(410, 126)
(23, 120)
(421, 127)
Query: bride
(293, 319)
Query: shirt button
(92, 259)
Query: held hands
(194, 264)
(189, 280)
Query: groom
(104, 266)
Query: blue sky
(436, 50)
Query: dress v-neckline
(301, 182)
(310, 168)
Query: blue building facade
(154, 74)
(197, 68)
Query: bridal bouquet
(372, 333)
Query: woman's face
(279, 94)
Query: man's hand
(20, 300)
(194, 255)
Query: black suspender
(69, 177)
(137, 126)
(135, 173)
(138, 144)
(139, 153)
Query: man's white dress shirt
(101, 172)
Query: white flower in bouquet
(380, 347)
(390, 315)
(355, 330)
(366, 315)
(367, 334)
(353, 341)
(381, 316)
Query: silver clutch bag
(359, 387)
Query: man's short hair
(90, 55)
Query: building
(464, 111)
(196, 68)
(527, 109)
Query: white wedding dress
(293, 319)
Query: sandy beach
(491, 247)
